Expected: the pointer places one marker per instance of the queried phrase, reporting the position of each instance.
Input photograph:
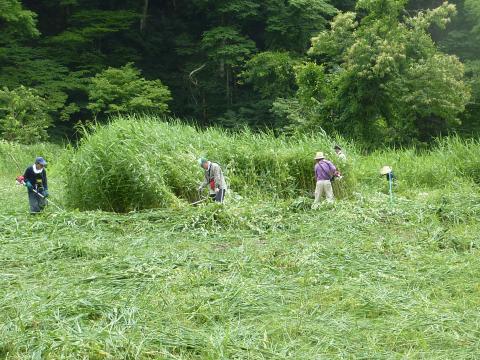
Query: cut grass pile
(359, 279)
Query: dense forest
(379, 71)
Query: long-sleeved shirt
(324, 170)
(38, 180)
(214, 172)
(342, 156)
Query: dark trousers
(219, 196)
(36, 202)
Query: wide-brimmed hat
(319, 156)
(385, 170)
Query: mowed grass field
(255, 279)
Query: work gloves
(29, 185)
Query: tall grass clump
(448, 160)
(118, 168)
(15, 158)
(141, 162)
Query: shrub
(23, 115)
(123, 90)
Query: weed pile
(255, 279)
(140, 163)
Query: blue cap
(40, 160)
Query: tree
(330, 46)
(228, 49)
(472, 8)
(16, 22)
(54, 82)
(301, 111)
(23, 115)
(271, 73)
(89, 36)
(123, 90)
(290, 24)
(387, 80)
(227, 62)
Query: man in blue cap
(35, 179)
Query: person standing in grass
(388, 173)
(35, 179)
(324, 171)
(214, 179)
(339, 152)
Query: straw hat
(319, 156)
(385, 170)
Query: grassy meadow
(262, 277)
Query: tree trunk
(204, 105)
(228, 85)
(222, 61)
(143, 20)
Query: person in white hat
(341, 155)
(324, 171)
(387, 172)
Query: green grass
(258, 278)
(137, 163)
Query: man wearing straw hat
(214, 178)
(387, 172)
(324, 171)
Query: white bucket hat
(385, 170)
(319, 156)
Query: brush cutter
(21, 181)
(199, 201)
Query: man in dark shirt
(35, 179)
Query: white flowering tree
(384, 79)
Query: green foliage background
(389, 72)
